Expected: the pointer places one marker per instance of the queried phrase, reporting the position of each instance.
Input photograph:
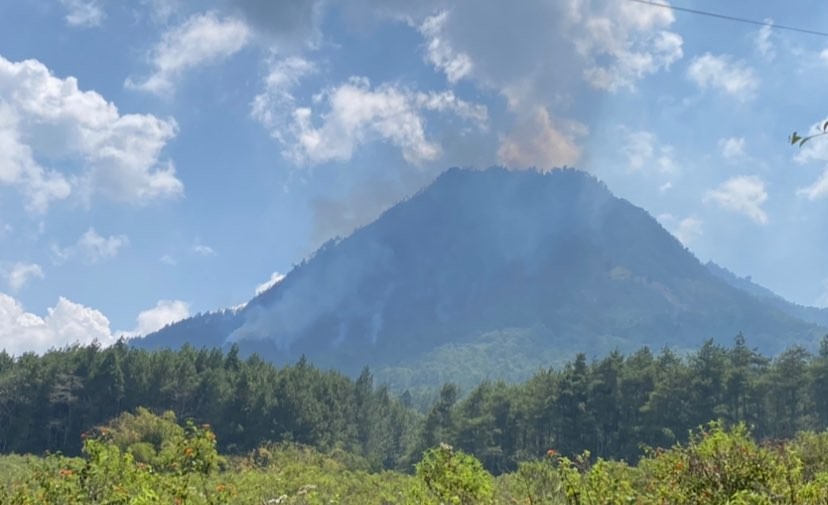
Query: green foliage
(145, 436)
(717, 466)
(47, 402)
(455, 478)
(611, 407)
(796, 139)
(107, 475)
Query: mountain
(810, 314)
(493, 273)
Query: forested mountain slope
(814, 315)
(502, 271)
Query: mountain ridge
(555, 258)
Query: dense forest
(612, 406)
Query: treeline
(610, 406)
(614, 406)
(47, 402)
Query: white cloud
(275, 102)
(722, 73)
(643, 151)
(817, 190)
(18, 167)
(817, 148)
(46, 119)
(764, 44)
(743, 194)
(69, 323)
(64, 324)
(537, 142)
(733, 148)
(815, 151)
(92, 247)
(204, 250)
(275, 278)
(688, 230)
(164, 313)
(439, 51)
(83, 13)
(168, 259)
(639, 148)
(630, 65)
(202, 39)
(357, 114)
(19, 274)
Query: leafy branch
(795, 138)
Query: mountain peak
(553, 257)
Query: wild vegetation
(148, 459)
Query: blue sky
(160, 158)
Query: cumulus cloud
(356, 113)
(45, 119)
(720, 72)
(733, 148)
(537, 142)
(202, 39)
(744, 194)
(92, 247)
(19, 274)
(164, 313)
(18, 167)
(69, 323)
(64, 324)
(275, 278)
(83, 13)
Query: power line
(730, 18)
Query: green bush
(455, 478)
